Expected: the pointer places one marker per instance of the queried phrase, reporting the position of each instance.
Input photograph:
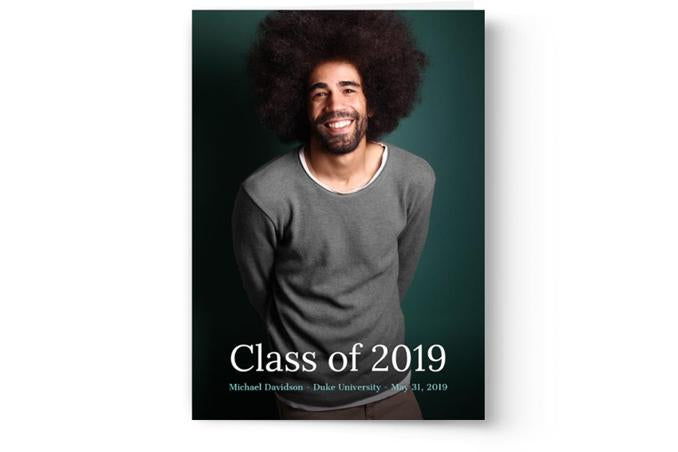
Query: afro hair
(290, 44)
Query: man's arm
(254, 243)
(412, 239)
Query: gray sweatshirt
(326, 270)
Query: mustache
(336, 115)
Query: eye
(349, 91)
(318, 94)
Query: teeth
(338, 124)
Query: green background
(445, 304)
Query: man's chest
(344, 232)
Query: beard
(344, 143)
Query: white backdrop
(95, 234)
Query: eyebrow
(322, 85)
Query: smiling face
(337, 107)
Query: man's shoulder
(411, 168)
(272, 178)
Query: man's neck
(344, 172)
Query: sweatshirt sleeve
(254, 244)
(413, 237)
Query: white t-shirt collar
(384, 156)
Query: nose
(332, 103)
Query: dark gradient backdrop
(445, 304)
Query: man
(327, 237)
